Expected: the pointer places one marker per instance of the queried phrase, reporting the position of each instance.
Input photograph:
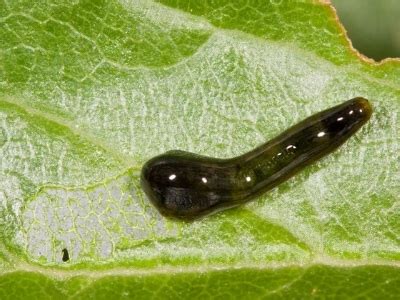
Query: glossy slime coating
(187, 186)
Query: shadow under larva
(187, 186)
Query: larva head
(185, 186)
(347, 118)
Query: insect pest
(188, 186)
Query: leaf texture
(89, 90)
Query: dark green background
(372, 25)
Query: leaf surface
(89, 90)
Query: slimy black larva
(187, 186)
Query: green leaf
(89, 90)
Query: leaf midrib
(96, 273)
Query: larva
(187, 186)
